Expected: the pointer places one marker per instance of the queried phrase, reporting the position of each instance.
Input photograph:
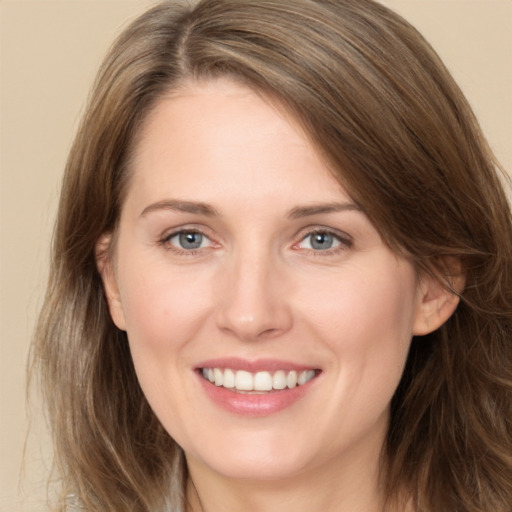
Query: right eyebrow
(181, 206)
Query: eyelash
(344, 241)
(166, 239)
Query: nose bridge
(254, 301)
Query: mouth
(242, 381)
(257, 388)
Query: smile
(262, 381)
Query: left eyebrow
(306, 211)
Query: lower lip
(254, 404)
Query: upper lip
(253, 366)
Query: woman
(282, 272)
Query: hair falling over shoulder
(383, 110)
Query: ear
(438, 298)
(103, 254)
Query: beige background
(49, 51)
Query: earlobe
(437, 302)
(104, 264)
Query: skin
(257, 288)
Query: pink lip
(253, 404)
(258, 365)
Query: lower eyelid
(343, 241)
(207, 243)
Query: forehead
(222, 137)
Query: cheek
(163, 309)
(367, 322)
(164, 312)
(363, 307)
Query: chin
(257, 469)
(255, 460)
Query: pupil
(191, 240)
(321, 241)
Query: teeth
(229, 379)
(218, 377)
(242, 380)
(305, 377)
(262, 381)
(291, 379)
(279, 380)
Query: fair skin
(238, 251)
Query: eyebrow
(182, 206)
(199, 208)
(317, 209)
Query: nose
(254, 302)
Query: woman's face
(240, 259)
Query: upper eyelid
(169, 233)
(309, 230)
(299, 236)
(165, 241)
(174, 232)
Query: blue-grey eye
(189, 240)
(320, 241)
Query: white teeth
(218, 376)
(260, 381)
(229, 379)
(279, 380)
(305, 377)
(243, 381)
(291, 379)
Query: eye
(188, 240)
(320, 241)
(323, 240)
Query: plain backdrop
(49, 51)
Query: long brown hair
(385, 113)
